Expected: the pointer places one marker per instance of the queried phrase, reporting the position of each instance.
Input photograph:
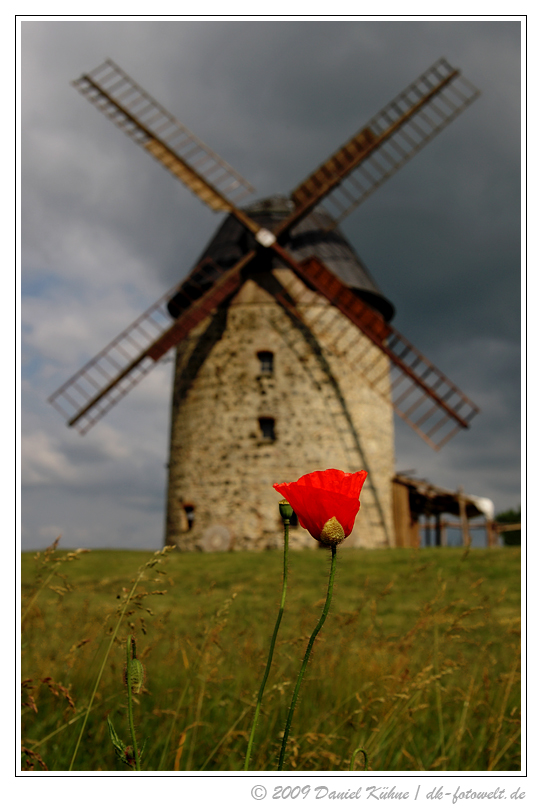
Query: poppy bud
(286, 510)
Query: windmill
(285, 357)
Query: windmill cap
(316, 235)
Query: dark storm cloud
(106, 230)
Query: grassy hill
(418, 661)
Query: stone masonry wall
(222, 468)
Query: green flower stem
(130, 709)
(273, 640)
(307, 654)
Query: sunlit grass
(418, 662)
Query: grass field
(418, 662)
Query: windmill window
(267, 428)
(266, 361)
(189, 513)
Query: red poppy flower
(326, 502)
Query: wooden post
(415, 532)
(402, 517)
(438, 527)
(463, 517)
(490, 533)
(427, 531)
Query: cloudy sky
(105, 231)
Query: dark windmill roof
(314, 236)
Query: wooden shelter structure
(416, 502)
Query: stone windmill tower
(285, 358)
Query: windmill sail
(89, 394)
(151, 126)
(385, 143)
(420, 393)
